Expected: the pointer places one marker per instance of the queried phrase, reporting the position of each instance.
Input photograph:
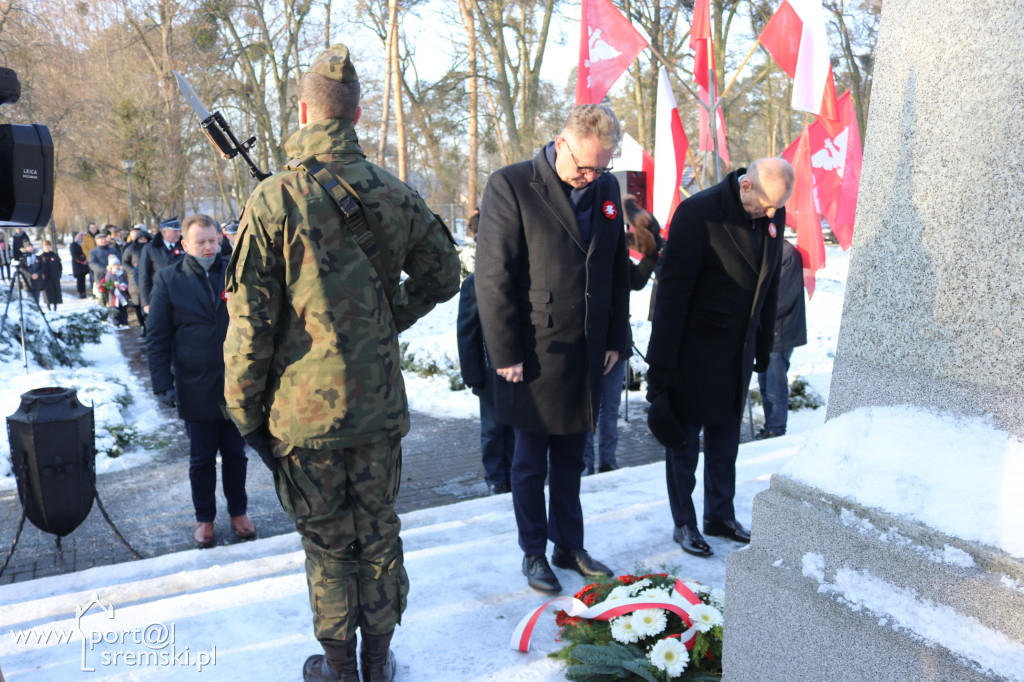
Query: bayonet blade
(191, 97)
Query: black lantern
(54, 458)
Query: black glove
(657, 381)
(166, 398)
(259, 440)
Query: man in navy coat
(553, 293)
(714, 318)
(185, 330)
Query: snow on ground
(242, 610)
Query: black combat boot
(376, 658)
(336, 663)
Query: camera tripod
(26, 284)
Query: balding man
(713, 324)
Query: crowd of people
(281, 333)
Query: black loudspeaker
(54, 458)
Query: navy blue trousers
(205, 439)
(497, 440)
(531, 463)
(775, 392)
(721, 445)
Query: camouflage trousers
(342, 503)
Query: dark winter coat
(18, 240)
(790, 316)
(188, 319)
(473, 363)
(32, 265)
(79, 262)
(99, 259)
(548, 299)
(130, 258)
(155, 257)
(715, 309)
(50, 274)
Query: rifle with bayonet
(218, 131)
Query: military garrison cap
(170, 224)
(335, 63)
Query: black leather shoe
(497, 489)
(727, 529)
(539, 575)
(691, 541)
(579, 560)
(607, 467)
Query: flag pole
(713, 112)
(693, 165)
(736, 75)
(671, 67)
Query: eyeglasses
(583, 170)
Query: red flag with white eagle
(608, 45)
(670, 146)
(809, 240)
(703, 55)
(835, 162)
(795, 38)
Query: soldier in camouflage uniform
(312, 360)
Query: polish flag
(608, 45)
(809, 240)
(702, 46)
(670, 145)
(835, 162)
(795, 38)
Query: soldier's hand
(259, 440)
(513, 373)
(166, 398)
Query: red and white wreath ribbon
(681, 597)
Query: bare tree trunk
(474, 98)
(327, 23)
(382, 143)
(397, 80)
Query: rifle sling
(361, 223)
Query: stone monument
(933, 317)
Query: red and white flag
(801, 211)
(835, 161)
(670, 146)
(608, 45)
(703, 56)
(795, 38)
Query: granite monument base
(831, 590)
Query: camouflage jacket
(312, 345)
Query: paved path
(151, 504)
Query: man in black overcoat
(185, 330)
(714, 318)
(551, 282)
(162, 251)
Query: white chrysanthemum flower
(718, 598)
(655, 594)
(620, 592)
(697, 588)
(639, 585)
(649, 622)
(671, 656)
(705, 617)
(623, 630)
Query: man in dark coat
(713, 322)
(163, 251)
(551, 284)
(79, 264)
(51, 272)
(188, 320)
(497, 440)
(99, 258)
(790, 332)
